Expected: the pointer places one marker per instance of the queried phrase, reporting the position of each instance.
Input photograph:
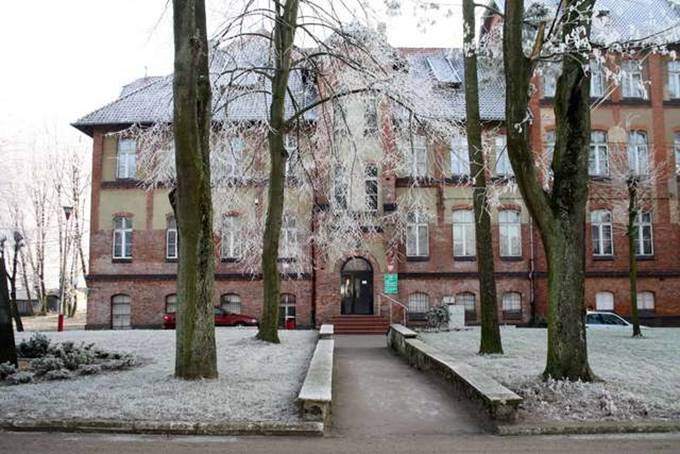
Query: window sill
(600, 177)
(517, 258)
(503, 178)
(171, 260)
(672, 102)
(464, 258)
(512, 315)
(424, 258)
(603, 258)
(229, 260)
(121, 183)
(388, 207)
(286, 260)
(645, 258)
(631, 101)
(121, 260)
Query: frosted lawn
(257, 381)
(641, 376)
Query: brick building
(133, 242)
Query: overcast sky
(63, 59)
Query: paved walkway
(378, 395)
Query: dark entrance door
(356, 287)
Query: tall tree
(191, 199)
(559, 213)
(491, 336)
(284, 37)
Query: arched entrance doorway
(356, 287)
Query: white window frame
(598, 81)
(674, 79)
(602, 223)
(418, 303)
(171, 240)
(676, 144)
(549, 148)
(460, 157)
(463, 224)
(503, 164)
(468, 300)
(121, 319)
(604, 301)
(632, 81)
(646, 301)
(419, 161)
(171, 301)
(126, 159)
(644, 234)
(417, 235)
(230, 248)
(550, 75)
(510, 233)
(638, 152)
(340, 187)
(371, 188)
(290, 143)
(231, 302)
(287, 308)
(122, 236)
(598, 159)
(289, 237)
(234, 157)
(511, 303)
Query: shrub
(41, 366)
(37, 346)
(59, 374)
(7, 369)
(89, 369)
(19, 378)
(126, 362)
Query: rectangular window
(230, 247)
(171, 239)
(467, 300)
(644, 241)
(291, 146)
(512, 304)
(638, 153)
(417, 235)
(122, 238)
(370, 117)
(464, 233)
(674, 79)
(598, 82)
(503, 166)
(340, 187)
(126, 157)
(234, 156)
(676, 145)
(460, 159)
(510, 229)
(598, 160)
(419, 157)
(371, 187)
(604, 301)
(645, 301)
(632, 83)
(551, 72)
(602, 233)
(289, 237)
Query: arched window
(287, 311)
(645, 301)
(231, 302)
(171, 304)
(512, 305)
(604, 301)
(602, 233)
(418, 303)
(510, 229)
(120, 312)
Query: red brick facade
(148, 278)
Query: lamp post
(62, 291)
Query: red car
(222, 318)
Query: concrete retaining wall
(316, 396)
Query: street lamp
(60, 319)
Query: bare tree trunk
(14, 309)
(24, 278)
(559, 214)
(196, 355)
(284, 36)
(491, 336)
(632, 259)
(8, 352)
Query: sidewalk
(379, 395)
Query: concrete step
(360, 324)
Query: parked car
(601, 319)
(222, 318)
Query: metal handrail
(393, 301)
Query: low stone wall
(316, 396)
(496, 400)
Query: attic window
(443, 70)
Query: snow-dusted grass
(257, 381)
(641, 376)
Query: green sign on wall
(391, 284)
